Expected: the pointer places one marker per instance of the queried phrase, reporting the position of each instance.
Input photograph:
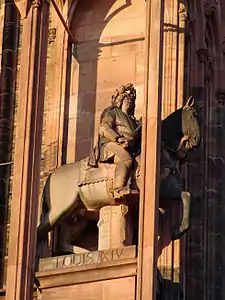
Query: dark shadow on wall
(168, 277)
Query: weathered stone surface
(101, 290)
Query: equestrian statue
(111, 174)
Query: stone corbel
(221, 97)
(208, 60)
(220, 109)
(189, 26)
(223, 45)
(210, 6)
(183, 13)
(203, 55)
(36, 3)
(51, 35)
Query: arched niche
(109, 53)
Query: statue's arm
(106, 128)
(128, 136)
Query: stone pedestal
(115, 227)
(95, 275)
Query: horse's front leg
(186, 201)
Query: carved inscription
(87, 258)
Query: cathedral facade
(61, 62)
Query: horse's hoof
(177, 234)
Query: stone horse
(74, 189)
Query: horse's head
(180, 130)
(190, 125)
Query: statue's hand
(123, 141)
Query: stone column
(115, 228)
(148, 219)
(9, 43)
(26, 177)
(173, 97)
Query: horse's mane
(171, 132)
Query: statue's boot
(121, 191)
(178, 233)
(121, 176)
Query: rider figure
(116, 130)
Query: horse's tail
(42, 230)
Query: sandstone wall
(110, 52)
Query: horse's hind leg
(186, 200)
(42, 238)
(69, 232)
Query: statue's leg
(124, 162)
(186, 200)
(42, 238)
(121, 174)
